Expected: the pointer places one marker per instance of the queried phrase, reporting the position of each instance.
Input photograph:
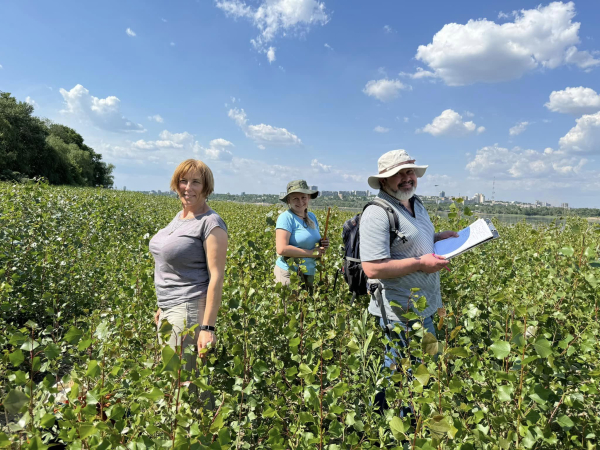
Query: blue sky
(268, 91)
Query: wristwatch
(207, 328)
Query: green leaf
(565, 422)
(333, 372)
(73, 335)
(30, 345)
(4, 441)
(217, 423)
(93, 369)
(505, 393)
(501, 349)
(52, 351)
(14, 401)
(543, 347)
(422, 374)
(16, 357)
(48, 420)
(87, 431)
(397, 427)
(154, 394)
(430, 344)
(260, 367)
(327, 354)
(567, 251)
(170, 360)
(590, 278)
(461, 352)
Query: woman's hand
(206, 339)
(444, 235)
(324, 243)
(431, 263)
(157, 316)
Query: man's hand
(444, 235)
(432, 263)
(206, 339)
(157, 316)
(324, 243)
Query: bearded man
(394, 268)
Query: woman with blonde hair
(297, 235)
(189, 255)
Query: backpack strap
(392, 218)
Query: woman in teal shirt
(297, 235)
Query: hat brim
(312, 194)
(374, 180)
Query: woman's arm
(216, 255)
(282, 243)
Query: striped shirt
(375, 245)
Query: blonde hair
(307, 220)
(194, 165)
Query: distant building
(361, 193)
(442, 193)
(314, 188)
(328, 193)
(564, 205)
(243, 193)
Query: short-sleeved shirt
(302, 236)
(181, 271)
(375, 245)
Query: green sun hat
(300, 186)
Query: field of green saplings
(515, 365)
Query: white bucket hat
(393, 162)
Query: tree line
(34, 147)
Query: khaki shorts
(283, 277)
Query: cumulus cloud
(276, 17)
(271, 54)
(574, 100)
(31, 102)
(388, 29)
(518, 163)
(1, 67)
(219, 150)
(328, 46)
(450, 123)
(156, 118)
(518, 128)
(583, 137)
(380, 129)
(384, 90)
(319, 167)
(419, 74)
(105, 113)
(483, 51)
(261, 134)
(130, 32)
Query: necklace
(177, 225)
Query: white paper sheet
(475, 234)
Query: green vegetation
(32, 148)
(518, 353)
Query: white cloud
(218, 150)
(483, 51)
(1, 67)
(104, 113)
(388, 29)
(420, 73)
(583, 137)
(319, 167)
(328, 46)
(172, 44)
(380, 129)
(261, 134)
(524, 164)
(164, 20)
(271, 54)
(384, 89)
(450, 123)
(518, 128)
(130, 32)
(156, 118)
(574, 100)
(277, 17)
(31, 102)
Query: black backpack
(352, 269)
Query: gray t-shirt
(375, 245)
(181, 272)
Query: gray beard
(400, 195)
